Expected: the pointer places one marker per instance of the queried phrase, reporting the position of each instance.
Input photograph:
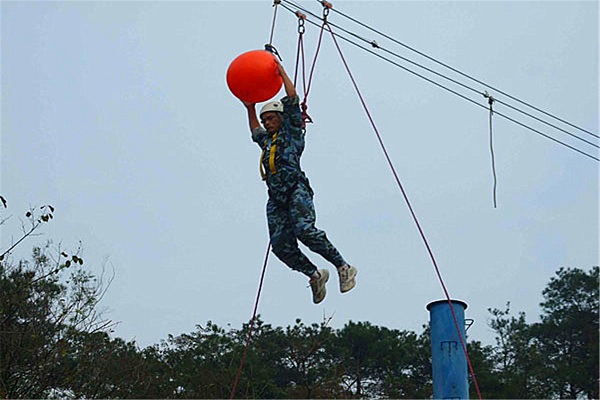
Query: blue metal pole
(450, 372)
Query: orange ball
(253, 76)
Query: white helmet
(272, 106)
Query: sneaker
(318, 286)
(347, 276)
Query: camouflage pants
(293, 221)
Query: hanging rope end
(491, 101)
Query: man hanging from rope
(290, 210)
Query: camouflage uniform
(290, 210)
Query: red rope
(414, 216)
(300, 59)
(262, 277)
(314, 63)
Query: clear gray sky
(118, 114)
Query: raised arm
(252, 118)
(290, 89)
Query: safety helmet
(272, 106)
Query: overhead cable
(374, 44)
(439, 84)
(460, 72)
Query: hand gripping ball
(253, 76)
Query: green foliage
(55, 344)
(49, 349)
(516, 357)
(200, 363)
(381, 362)
(554, 358)
(44, 307)
(568, 333)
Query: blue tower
(450, 372)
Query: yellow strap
(263, 174)
(272, 154)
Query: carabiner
(301, 20)
(326, 7)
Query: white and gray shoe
(347, 275)
(318, 286)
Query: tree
(568, 333)
(41, 311)
(97, 366)
(306, 366)
(554, 358)
(200, 362)
(45, 301)
(54, 343)
(518, 362)
(381, 362)
(287, 363)
(483, 365)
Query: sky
(118, 115)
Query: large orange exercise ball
(253, 76)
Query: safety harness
(272, 154)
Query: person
(290, 210)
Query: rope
(300, 61)
(412, 212)
(462, 73)
(475, 102)
(314, 63)
(491, 103)
(275, 4)
(376, 46)
(300, 52)
(251, 328)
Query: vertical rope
(314, 63)
(414, 216)
(300, 59)
(300, 62)
(491, 102)
(275, 4)
(251, 328)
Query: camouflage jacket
(282, 169)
